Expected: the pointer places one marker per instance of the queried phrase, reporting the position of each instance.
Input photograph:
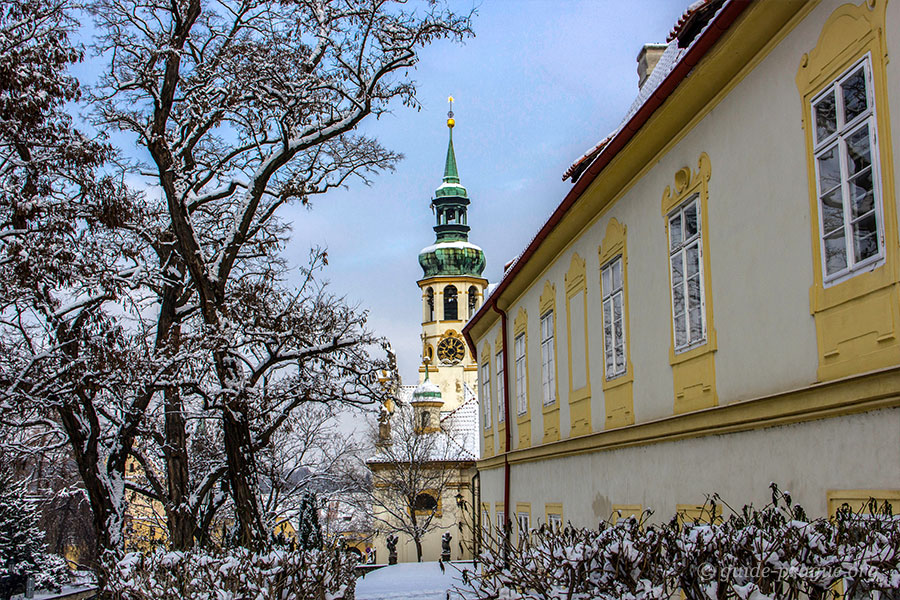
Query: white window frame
(523, 520)
(680, 252)
(501, 517)
(548, 360)
(609, 293)
(521, 375)
(554, 522)
(486, 392)
(844, 130)
(501, 388)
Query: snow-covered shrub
(774, 553)
(234, 574)
(22, 550)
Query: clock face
(451, 350)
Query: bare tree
(413, 470)
(245, 106)
(164, 328)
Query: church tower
(452, 288)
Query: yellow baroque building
(715, 304)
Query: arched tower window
(451, 311)
(473, 300)
(425, 501)
(426, 419)
(429, 304)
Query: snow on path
(410, 581)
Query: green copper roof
(452, 254)
(451, 175)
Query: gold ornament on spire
(450, 121)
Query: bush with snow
(775, 553)
(22, 549)
(234, 574)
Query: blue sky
(540, 83)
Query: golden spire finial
(450, 121)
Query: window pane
(854, 92)
(858, 150)
(675, 232)
(829, 170)
(693, 260)
(620, 346)
(690, 221)
(616, 275)
(677, 270)
(835, 252)
(606, 281)
(696, 324)
(832, 210)
(862, 197)
(693, 286)
(617, 307)
(826, 121)
(865, 243)
(678, 299)
(680, 331)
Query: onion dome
(451, 254)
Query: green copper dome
(452, 253)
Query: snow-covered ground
(413, 581)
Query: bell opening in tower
(451, 310)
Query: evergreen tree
(310, 534)
(22, 550)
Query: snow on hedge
(235, 574)
(773, 553)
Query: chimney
(647, 59)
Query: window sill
(550, 408)
(832, 294)
(619, 380)
(706, 347)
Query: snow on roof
(457, 440)
(667, 63)
(457, 244)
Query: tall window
(524, 520)
(451, 312)
(486, 392)
(548, 369)
(612, 290)
(501, 388)
(846, 165)
(687, 275)
(521, 388)
(554, 521)
(429, 300)
(473, 300)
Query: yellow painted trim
(747, 43)
(851, 395)
(487, 358)
(697, 513)
(523, 421)
(871, 339)
(858, 498)
(550, 412)
(694, 370)
(554, 508)
(618, 392)
(580, 399)
(451, 279)
(623, 511)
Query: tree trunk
(418, 548)
(179, 517)
(242, 473)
